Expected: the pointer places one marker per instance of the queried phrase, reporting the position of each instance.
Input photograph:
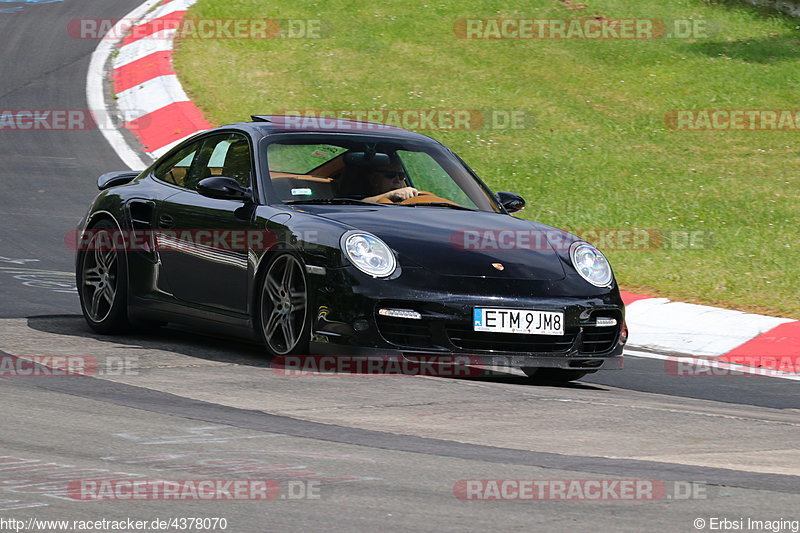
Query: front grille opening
(599, 340)
(405, 332)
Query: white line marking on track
(166, 9)
(95, 89)
(16, 261)
(25, 270)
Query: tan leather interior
(309, 177)
(284, 182)
(330, 168)
(322, 187)
(177, 175)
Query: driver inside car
(389, 183)
(377, 182)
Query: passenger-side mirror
(222, 188)
(512, 202)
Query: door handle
(165, 221)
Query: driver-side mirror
(222, 188)
(512, 202)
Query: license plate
(518, 321)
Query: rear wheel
(554, 375)
(102, 281)
(283, 307)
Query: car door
(203, 242)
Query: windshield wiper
(438, 204)
(330, 201)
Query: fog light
(623, 335)
(361, 325)
(400, 313)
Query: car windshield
(361, 170)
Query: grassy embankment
(599, 154)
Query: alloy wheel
(283, 304)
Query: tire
(282, 310)
(102, 280)
(554, 375)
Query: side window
(225, 155)
(175, 169)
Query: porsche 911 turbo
(344, 238)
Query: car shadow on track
(514, 379)
(189, 342)
(196, 344)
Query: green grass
(598, 155)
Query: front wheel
(554, 375)
(282, 311)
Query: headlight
(591, 264)
(369, 254)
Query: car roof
(271, 124)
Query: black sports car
(344, 238)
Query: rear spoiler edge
(112, 179)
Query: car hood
(457, 243)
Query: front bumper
(347, 322)
(575, 362)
